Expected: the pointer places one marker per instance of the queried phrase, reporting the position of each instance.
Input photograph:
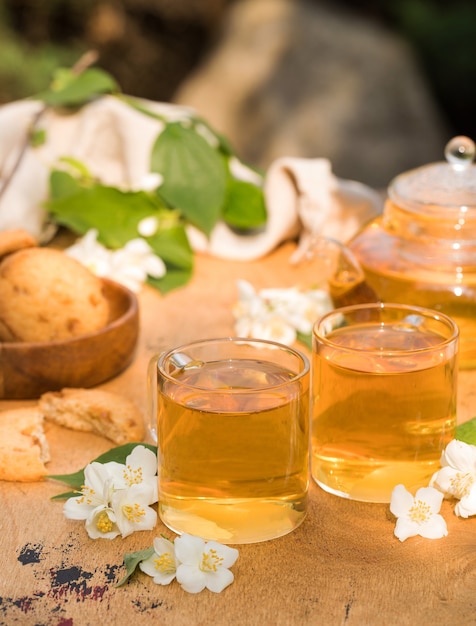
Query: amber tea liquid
(458, 302)
(381, 416)
(233, 458)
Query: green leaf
(223, 143)
(62, 185)
(245, 207)
(305, 339)
(78, 168)
(131, 561)
(66, 495)
(76, 479)
(467, 432)
(138, 105)
(175, 277)
(172, 246)
(114, 213)
(70, 89)
(38, 137)
(194, 173)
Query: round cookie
(99, 411)
(24, 449)
(45, 295)
(13, 240)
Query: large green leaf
(62, 185)
(173, 247)
(114, 213)
(195, 121)
(194, 173)
(245, 207)
(70, 89)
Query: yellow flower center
(134, 513)
(103, 523)
(420, 512)
(86, 498)
(210, 561)
(461, 484)
(133, 476)
(165, 563)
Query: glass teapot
(422, 249)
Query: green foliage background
(443, 34)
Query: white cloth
(303, 197)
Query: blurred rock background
(377, 86)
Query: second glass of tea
(383, 396)
(232, 438)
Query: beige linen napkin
(304, 200)
(303, 197)
(112, 139)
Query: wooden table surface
(342, 566)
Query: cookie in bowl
(47, 296)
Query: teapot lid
(450, 184)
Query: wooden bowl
(29, 369)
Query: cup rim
(270, 344)
(411, 309)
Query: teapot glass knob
(460, 151)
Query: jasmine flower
(418, 515)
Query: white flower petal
(466, 507)
(245, 289)
(136, 247)
(219, 581)
(162, 565)
(101, 524)
(404, 529)
(132, 510)
(148, 226)
(154, 266)
(418, 515)
(188, 549)
(191, 579)
(94, 493)
(401, 501)
(461, 456)
(203, 564)
(241, 171)
(434, 529)
(76, 508)
(128, 266)
(430, 496)
(151, 181)
(227, 554)
(144, 458)
(276, 313)
(446, 480)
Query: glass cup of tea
(232, 436)
(383, 398)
